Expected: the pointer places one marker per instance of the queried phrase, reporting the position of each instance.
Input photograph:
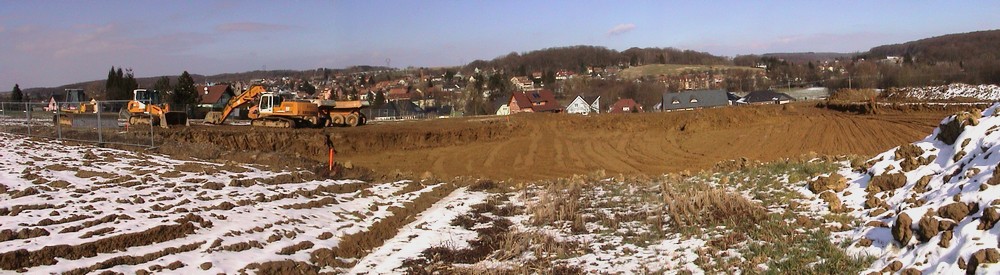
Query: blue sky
(50, 43)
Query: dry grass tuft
(709, 207)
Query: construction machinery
(76, 109)
(272, 110)
(147, 108)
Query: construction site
(541, 146)
(309, 187)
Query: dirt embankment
(544, 146)
(306, 147)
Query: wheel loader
(272, 110)
(147, 108)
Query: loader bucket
(213, 117)
(173, 119)
(85, 120)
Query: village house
(534, 101)
(564, 75)
(503, 110)
(522, 83)
(765, 97)
(215, 96)
(690, 100)
(399, 93)
(625, 105)
(584, 105)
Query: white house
(581, 106)
(503, 110)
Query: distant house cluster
(543, 101)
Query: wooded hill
(958, 47)
(577, 58)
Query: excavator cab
(268, 102)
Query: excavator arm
(217, 117)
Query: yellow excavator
(147, 108)
(272, 110)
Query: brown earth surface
(546, 146)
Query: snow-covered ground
(432, 228)
(948, 193)
(219, 217)
(982, 92)
(86, 209)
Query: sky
(52, 43)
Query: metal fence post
(27, 115)
(100, 135)
(56, 120)
(151, 142)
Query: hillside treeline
(578, 58)
(961, 47)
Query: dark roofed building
(766, 97)
(395, 109)
(625, 105)
(688, 100)
(214, 96)
(534, 101)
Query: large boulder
(909, 157)
(950, 130)
(901, 231)
(946, 237)
(989, 219)
(834, 182)
(927, 228)
(955, 211)
(886, 182)
(983, 256)
(921, 185)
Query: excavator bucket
(213, 117)
(173, 118)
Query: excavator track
(276, 122)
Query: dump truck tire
(337, 120)
(352, 120)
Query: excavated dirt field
(545, 146)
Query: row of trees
(121, 82)
(578, 58)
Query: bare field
(546, 146)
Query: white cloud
(621, 29)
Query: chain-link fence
(390, 114)
(102, 122)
